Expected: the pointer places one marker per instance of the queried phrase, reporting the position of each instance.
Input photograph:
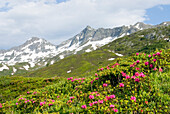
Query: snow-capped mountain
(33, 50)
(38, 52)
(90, 39)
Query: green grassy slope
(78, 64)
(136, 84)
(12, 87)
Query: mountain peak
(141, 25)
(88, 28)
(32, 39)
(167, 23)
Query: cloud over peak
(56, 21)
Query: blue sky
(158, 14)
(59, 20)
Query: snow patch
(21, 68)
(45, 63)
(61, 56)
(137, 26)
(118, 54)
(111, 59)
(32, 64)
(69, 71)
(14, 69)
(128, 33)
(88, 50)
(52, 62)
(26, 67)
(4, 67)
(122, 35)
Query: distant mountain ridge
(37, 51)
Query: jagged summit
(141, 25)
(88, 27)
(35, 39)
(167, 23)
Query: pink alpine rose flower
(137, 68)
(84, 106)
(158, 53)
(101, 69)
(149, 55)
(115, 110)
(104, 85)
(91, 96)
(142, 75)
(92, 81)
(160, 70)
(111, 106)
(71, 97)
(132, 66)
(90, 104)
(50, 104)
(107, 97)
(95, 102)
(123, 74)
(154, 55)
(41, 103)
(16, 103)
(133, 98)
(136, 74)
(133, 77)
(151, 66)
(154, 60)
(96, 78)
(146, 63)
(137, 54)
(155, 69)
(97, 94)
(121, 85)
(112, 96)
(100, 101)
(127, 77)
(96, 74)
(137, 80)
(137, 61)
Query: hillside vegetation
(12, 87)
(136, 84)
(142, 41)
(80, 64)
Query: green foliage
(137, 84)
(11, 87)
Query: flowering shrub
(127, 86)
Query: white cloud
(59, 21)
